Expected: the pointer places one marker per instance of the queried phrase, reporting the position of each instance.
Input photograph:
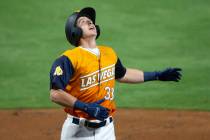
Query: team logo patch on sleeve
(58, 71)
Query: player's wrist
(79, 105)
(151, 76)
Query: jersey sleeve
(61, 72)
(120, 70)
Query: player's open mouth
(91, 28)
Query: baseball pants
(72, 131)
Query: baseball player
(82, 80)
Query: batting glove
(94, 110)
(170, 74)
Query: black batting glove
(170, 74)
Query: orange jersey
(87, 76)
(93, 79)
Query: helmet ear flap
(76, 35)
(98, 31)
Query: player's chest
(96, 70)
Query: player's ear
(98, 31)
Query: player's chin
(93, 34)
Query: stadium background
(149, 35)
(146, 34)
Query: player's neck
(88, 43)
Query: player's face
(87, 27)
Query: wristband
(79, 105)
(150, 76)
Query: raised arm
(132, 76)
(138, 76)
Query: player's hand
(170, 74)
(94, 110)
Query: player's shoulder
(73, 51)
(73, 55)
(106, 48)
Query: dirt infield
(132, 124)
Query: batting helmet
(74, 33)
